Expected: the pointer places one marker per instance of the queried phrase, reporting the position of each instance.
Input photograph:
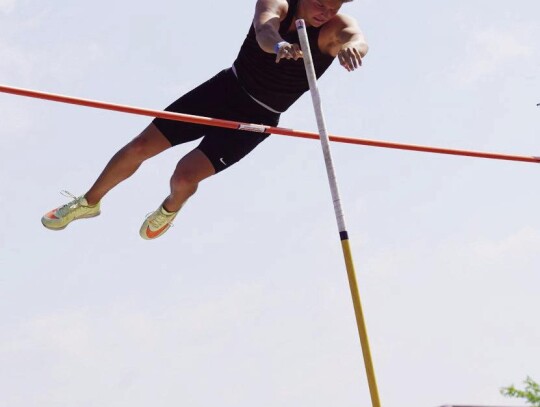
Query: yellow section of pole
(361, 323)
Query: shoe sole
(142, 233)
(66, 225)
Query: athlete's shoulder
(340, 22)
(272, 7)
(337, 25)
(337, 31)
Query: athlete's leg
(126, 161)
(190, 170)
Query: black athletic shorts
(221, 97)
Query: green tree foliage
(531, 393)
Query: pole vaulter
(259, 128)
(324, 137)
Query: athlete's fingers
(289, 51)
(358, 56)
(284, 52)
(292, 51)
(343, 61)
(280, 50)
(279, 55)
(297, 52)
(347, 56)
(350, 58)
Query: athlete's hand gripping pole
(310, 71)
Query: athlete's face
(318, 12)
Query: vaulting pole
(340, 217)
(257, 127)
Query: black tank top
(278, 85)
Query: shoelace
(75, 202)
(159, 221)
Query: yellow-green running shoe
(78, 208)
(157, 223)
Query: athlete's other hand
(289, 51)
(349, 57)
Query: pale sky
(245, 302)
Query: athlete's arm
(346, 41)
(268, 16)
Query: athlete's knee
(185, 177)
(138, 148)
(146, 145)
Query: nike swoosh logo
(224, 163)
(51, 215)
(152, 234)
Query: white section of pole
(325, 142)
